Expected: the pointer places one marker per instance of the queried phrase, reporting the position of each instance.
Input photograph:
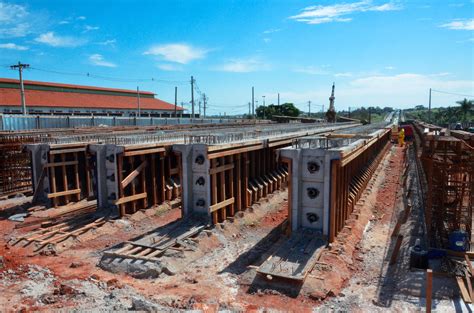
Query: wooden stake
(429, 289)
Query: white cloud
(13, 20)
(466, 24)
(13, 46)
(272, 30)
(110, 42)
(80, 18)
(345, 74)
(14, 31)
(169, 67)
(320, 14)
(63, 22)
(390, 68)
(312, 70)
(89, 28)
(177, 52)
(11, 12)
(98, 59)
(51, 39)
(267, 40)
(398, 91)
(243, 66)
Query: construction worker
(401, 137)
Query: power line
(110, 78)
(452, 93)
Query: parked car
(458, 126)
(471, 130)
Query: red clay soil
(343, 258)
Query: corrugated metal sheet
(26, 122)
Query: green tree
(285, 109)
(465, 107)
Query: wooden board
(295, 258)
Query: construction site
(237, 216)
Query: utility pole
(138, 101)
(253, 103)
(263, 107)
(429, 109)
(278, 98)
(349, 112)
(20, 66)
(204, 100)
(175, 100)
(192, 97)
(309, 108)
(250, 108)
(199, 106)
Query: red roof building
(53, 98)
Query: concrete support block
(39, 158)
(310, 186)
(106, 173)
(196, 187)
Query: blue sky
(379, 52)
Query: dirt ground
(351, 275)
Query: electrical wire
(452, 93)
(109, 78)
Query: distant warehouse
(64, 99)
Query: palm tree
(465, 106)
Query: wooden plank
(469, 264)
(67, 151)
(134, 257)
(396, 249)
(143, 182)
(223, 194)
(63, 193)
(63, 163)
(221, 168)
(469, 284)
(238, 185)
(221, 205)
(76, 175)
(429, 289)
(142, 152)
(65, 184)
(131, 198)
(130, 177)
(154, 184)
(462, 288)
(332, 212)
(121, 191)
(162, 179)
(214, 191)
(231, 184)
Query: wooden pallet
(58, 233)
(295, 258)
(150, 248)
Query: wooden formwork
(349, 178)
(148, 176)
(241, 177)
(449, 167)
(69, 171)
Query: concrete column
(310, 182)
(106, 173)
(196, 187)
(39, 158)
